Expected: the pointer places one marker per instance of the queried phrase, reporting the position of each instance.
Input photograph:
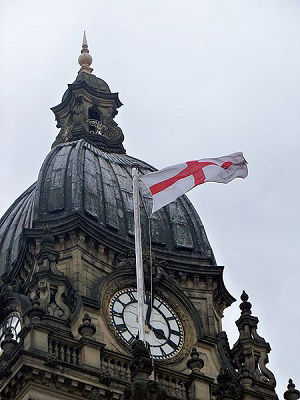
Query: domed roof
(77, 178)
(17, 217)
(91, 81)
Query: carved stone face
(106, 111)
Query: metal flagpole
(138, 253)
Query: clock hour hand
(159, 333)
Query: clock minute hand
(148, 314)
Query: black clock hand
(159, 333)
(149, 309)
(148, 315)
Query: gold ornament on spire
(85, 59)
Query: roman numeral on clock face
(170, 318)
(121, 328)
(131, 296)
(131, 340)
(117, 314)
(163, 352)
(172, 344)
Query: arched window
(94, 116)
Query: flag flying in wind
(169, 183)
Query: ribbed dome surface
(18, 216)
(92, 81)
(77, 178)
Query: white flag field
(167, 184)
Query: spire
(84, 41)
(85, 59)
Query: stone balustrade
(64, 351)
(116, 366)
(175, 385)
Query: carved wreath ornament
(100, 127)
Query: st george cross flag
(169, 183)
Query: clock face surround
(12, 321)
(163, 329)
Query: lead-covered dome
(92, 82)
(86, 179)
(78, 179)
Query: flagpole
(138, 253)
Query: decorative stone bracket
(50, 287)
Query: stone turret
(88, 109)
(250, 353)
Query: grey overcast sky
(198, 79)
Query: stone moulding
(61, 374)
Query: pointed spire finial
(85, 59)
(84, 41)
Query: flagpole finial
(85, 59)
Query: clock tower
(68, 315)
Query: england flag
(167, 184)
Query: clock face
(163, 329)
(12, 321)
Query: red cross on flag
(169, 183)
